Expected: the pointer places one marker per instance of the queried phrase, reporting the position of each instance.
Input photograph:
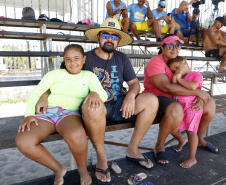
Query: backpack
(28, 13)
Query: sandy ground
(14, 167)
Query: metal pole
(63, 10)
(56, 7)
(14, 10)
(5, 9)
(48, 10)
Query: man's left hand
(128, 107)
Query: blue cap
(162, 3)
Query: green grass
(12, 101)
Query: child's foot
(188, 163)
(85, 178)
(179, 147)
(59, 180)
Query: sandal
(105, 172)
(136, 178)
(161, 156)
(114, 165)
(138, 160)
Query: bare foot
(85, 178)
(102, 164)
(222, 70)
(137, 155)
(59, 180)
(180, 145)
(188, 163)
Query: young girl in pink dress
(191, 80)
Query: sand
(14, 167)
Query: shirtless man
(214, 44)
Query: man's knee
(133, 26)
(152, 22)
(95, 114)
(126, 20)
(148, 101)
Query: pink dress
(191, 118)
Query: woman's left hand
(128, 107)
(199, 104)
(93, 101)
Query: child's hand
(178, 74)
(27, 123)
(93, 101)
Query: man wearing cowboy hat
(112, 68)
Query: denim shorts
(56, 114)
(186, 32)
(113, 112)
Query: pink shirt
(155, 66)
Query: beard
(107, 47)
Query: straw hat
(110, 24)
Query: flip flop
(105, 172)
(146, 183)
(138, 160)
(211, 148)
(136, 178)
(114, 165)
(161, 156)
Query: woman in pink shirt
(157, 80)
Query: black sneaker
(158, 39)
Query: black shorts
(164, 102)
(212, 53)
(114, 115)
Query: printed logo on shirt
(110, 82)
(115, 81)
(138, 15)
(105, 82)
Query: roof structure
(59, 6)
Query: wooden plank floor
(210, 169)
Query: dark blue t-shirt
(112, 73)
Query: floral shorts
(55, 114)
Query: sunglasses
(171, 46)
(106, 35)
(162, 6)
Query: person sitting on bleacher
(157, 80)
(214, 43)
(112, 69)
(138, 13)
(167, 26)
(115, 9)
(181, 16)
(194, 25)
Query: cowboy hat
(110, 24)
